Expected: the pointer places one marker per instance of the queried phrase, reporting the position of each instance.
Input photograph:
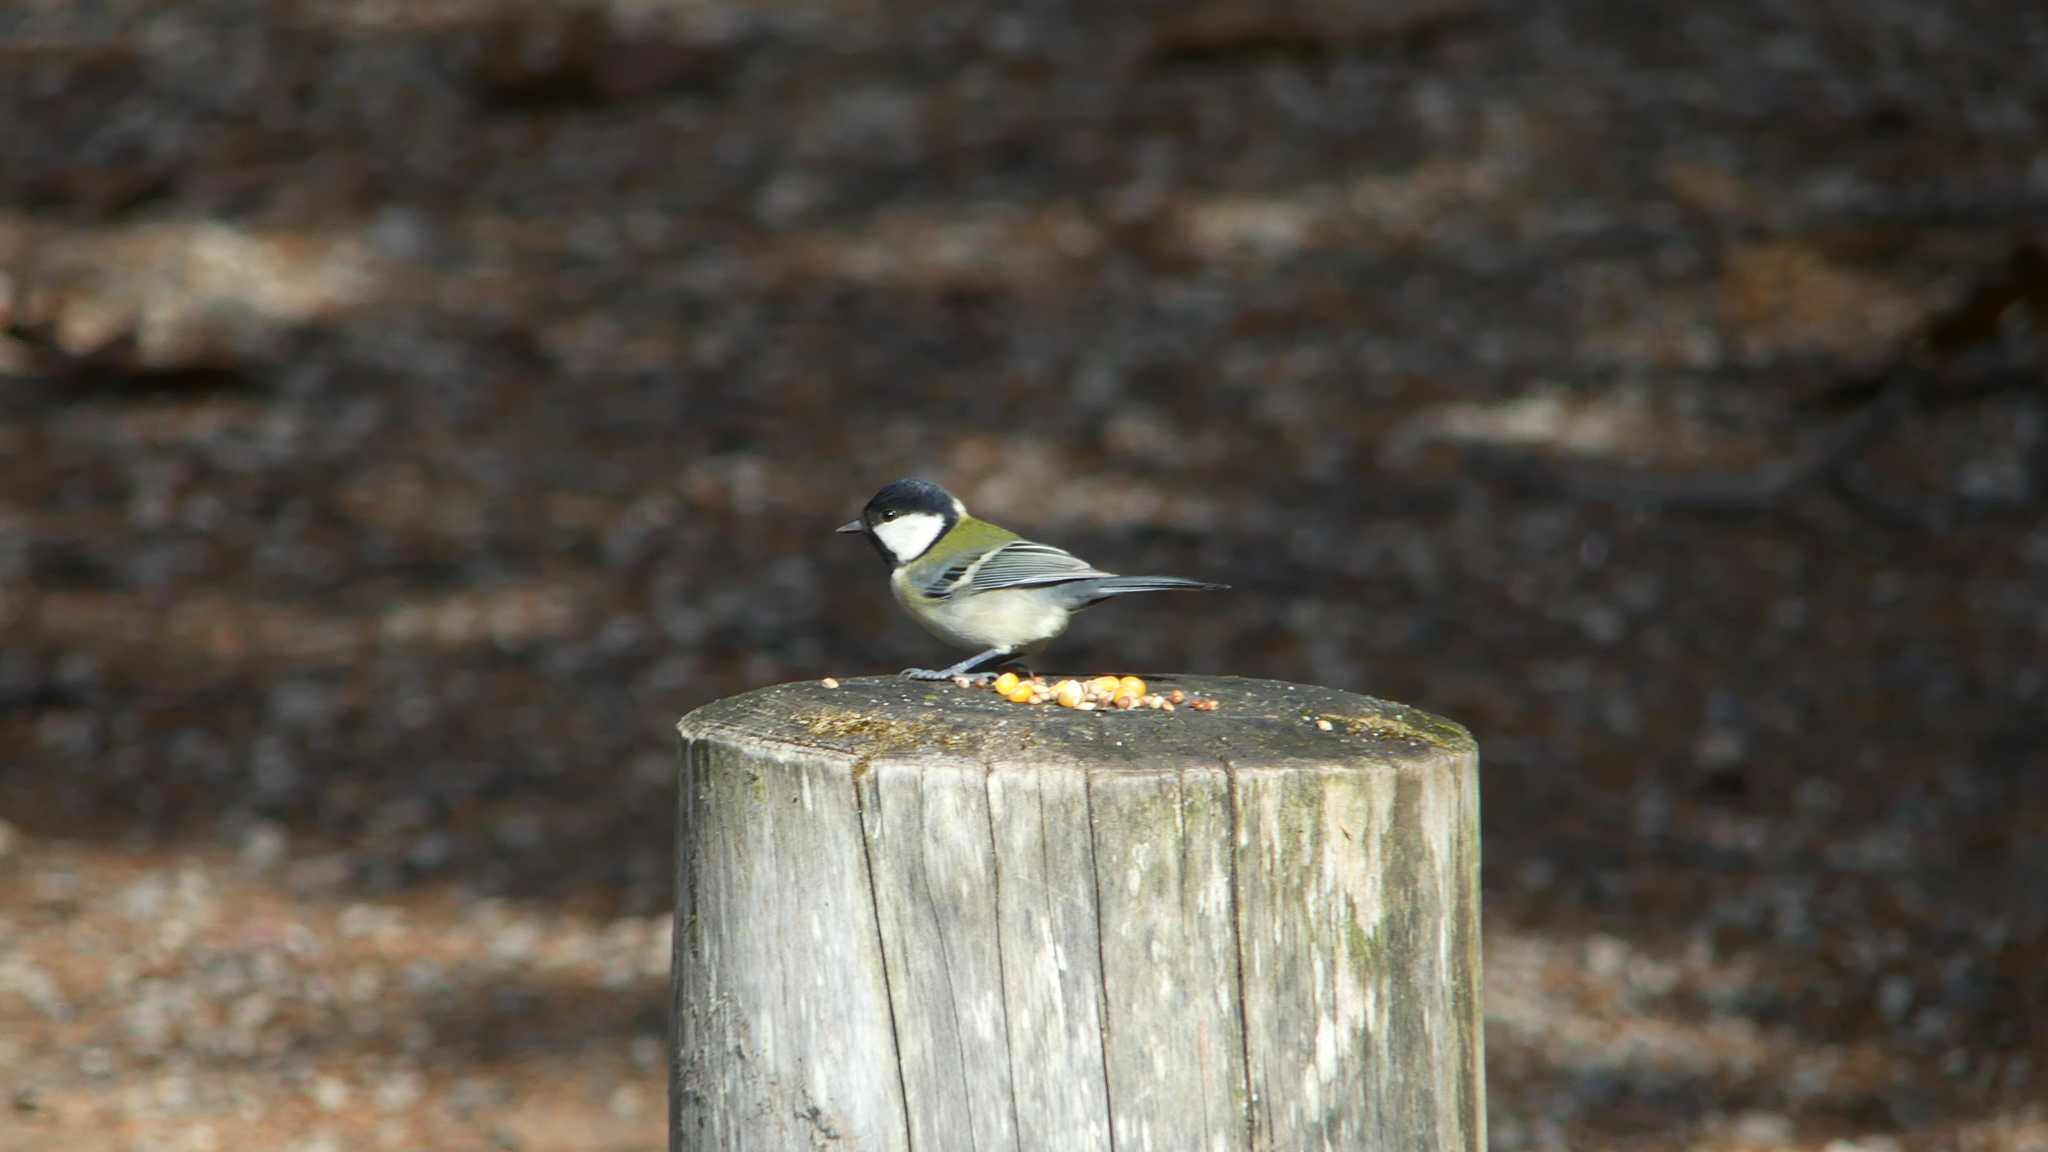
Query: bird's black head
(906, 518)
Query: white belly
(1014, 618)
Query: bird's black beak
(851, 526)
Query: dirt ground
(408, 410)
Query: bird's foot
(966, 679)
(962, 670)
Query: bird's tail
(1117, 585)
(1094, 590)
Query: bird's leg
(963, 668)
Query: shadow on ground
(404, 419)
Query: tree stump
(919, 917)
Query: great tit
(975, 585)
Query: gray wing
(1017, 564)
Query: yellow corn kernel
(1131, 686)
(1104, 686)
(1068, 692)
(1019, 694)
(1006, 683)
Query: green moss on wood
(1361, 945)
(885, 734)
(1401, 722)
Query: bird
(974, 584)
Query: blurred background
(409, 409)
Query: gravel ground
(408, 410)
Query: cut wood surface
(915, 916)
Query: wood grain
(916, 916)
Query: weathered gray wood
(1169, 956)
(781, 1011)
(927, 827)
(1045, 896)
(915, 916)
(1350, 903)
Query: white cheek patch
(906, 537)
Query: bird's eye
(889, 515)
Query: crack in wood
(1101, 963)
(1244, 1020)
(867, 856)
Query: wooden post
(918, 917)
